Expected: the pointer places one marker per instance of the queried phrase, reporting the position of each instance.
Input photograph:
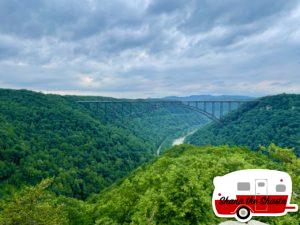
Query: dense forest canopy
(48, 136)
(272, 119)
(53, 136)
(63, 163)
(175, 188)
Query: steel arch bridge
(214, 110)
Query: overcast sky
(151, 48)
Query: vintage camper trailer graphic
(256, 192)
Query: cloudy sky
(143, 48)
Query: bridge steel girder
(198, 110)
(191, 105)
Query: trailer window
(261, 184)
(243, 186)
(280, 188)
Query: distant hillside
(208, 97)
(156, 124)
(85, 150)
(48, 135)
(177, 187)
(274, 119)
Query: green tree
(177, 187)
(33, 206)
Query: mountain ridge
(272, 119)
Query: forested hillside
(70, 152)
(53, 136)
(48, 136)
(175, 188)
(157, 123)
(273, 119)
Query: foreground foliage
(32, 206)
(177, 187)
(36, 205)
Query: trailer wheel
(244, 214)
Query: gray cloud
(166, 6)
(206, 14)
(139, 48)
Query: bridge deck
(213, 109)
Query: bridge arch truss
(214, 110)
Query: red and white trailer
(255, 192)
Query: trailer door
(261, 190)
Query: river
(178, 141)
